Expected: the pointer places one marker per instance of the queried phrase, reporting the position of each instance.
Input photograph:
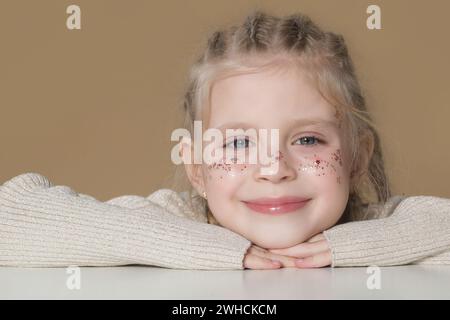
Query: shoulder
(26, 181)
(176, 203)
(179, 203)
(402, 204)
(383, 209)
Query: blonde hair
(264, 40)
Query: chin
(278, 243)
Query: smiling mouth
(275, 207)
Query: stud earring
(204, 195)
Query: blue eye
(238, 143)
(309, 140)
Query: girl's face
(312, 160)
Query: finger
(322, 259)
(252, 261)
(304, 249)
(286, 261)
(317, 237)
(260, 249)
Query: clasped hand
(313, 253)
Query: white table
(143, 282)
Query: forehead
(268, 98)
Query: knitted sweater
(47, 225)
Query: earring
(204, 195)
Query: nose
(278, 171)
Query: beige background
(94, 108)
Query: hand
(314, 253)
(260, 258)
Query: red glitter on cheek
(220, 166)
(321, 166)
(229, 169)
(336, 156)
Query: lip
(276, 206)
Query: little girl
(327, 204)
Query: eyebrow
(293, 123)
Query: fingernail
(276, 262)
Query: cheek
(222, 171)
(328, 165)
(223, 181)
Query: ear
(367, 145)
(193, 171)
(195, 176)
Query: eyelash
(234, 141)
(319, 141)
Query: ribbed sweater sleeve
(416, 232)
(43, 225)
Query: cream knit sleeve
(416, 232)
(43, 225)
